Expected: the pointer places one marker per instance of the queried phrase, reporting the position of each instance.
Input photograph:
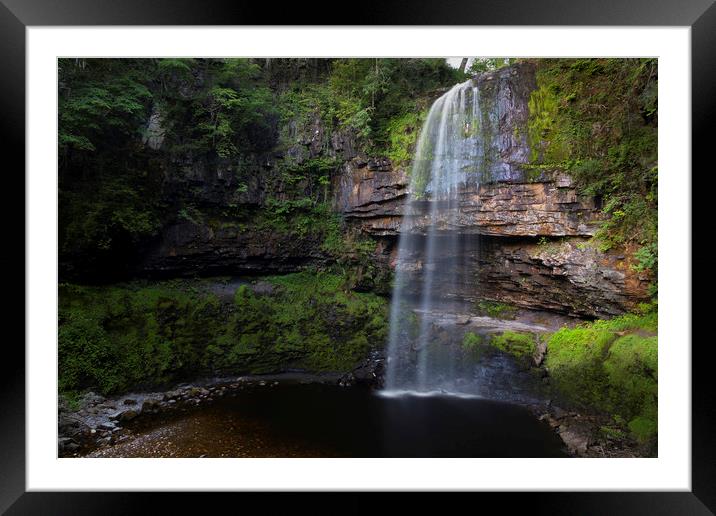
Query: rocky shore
(97, 423)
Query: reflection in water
(330, 421)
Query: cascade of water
(449, 153)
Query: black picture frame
(16, 15)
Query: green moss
(137, 335)
(496, 309)
(643, 428)
(312, 320)
(520, 345)
(402, 134)
(115, 338)
(610, 365)
(612, 432)
(546, 142)
(632, 372)
(473, 345)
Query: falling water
(450, 153)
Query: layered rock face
(228, 241)
(375, 201)
(524, 236)
(525, 231)
(566, 275)
(187, 248)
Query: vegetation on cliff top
(224, 116)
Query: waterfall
(450, 153)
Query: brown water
(330, 421)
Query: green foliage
(402, 134)
(644, 428)
(488, 64)
(610, 365)
(301, 218)
(313, 222)
(612, 432)
(116, 193)
(631, 368)
(190, 214)
(312, 320)
(100, 219)
(597, 119)
(117, 338)
(309, 179)
(386, 90)
(646, 257)
(230, 110)
(99, 101)
(471, 340)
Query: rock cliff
(527, 231)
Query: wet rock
(124, 415)
(557, 412)
(576, 436)
(540, 351)
(552, 422)
(90, 399)
(369, 372)
(62, 404)
(67, 445)
(68, 425)
(346, 380)
(129, 401)
(150, 405)
(564, 276)
(171, 394)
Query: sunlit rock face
(495, 189)
(376, 203)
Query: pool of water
(316, 420)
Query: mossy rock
(610, 366)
